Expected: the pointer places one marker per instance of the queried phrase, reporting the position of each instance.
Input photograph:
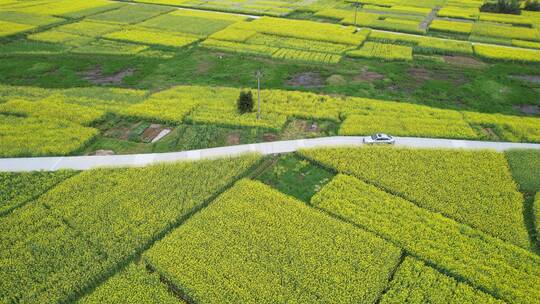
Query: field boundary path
(267, 148)
(425, 24)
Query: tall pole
(259, 74)
(356, 5)
(355, 13)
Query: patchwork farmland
(85, 82)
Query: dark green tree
(245, 102)
(532, 5)
(502, 6)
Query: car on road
(379, 138)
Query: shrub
(504, 270)
(250, 237)
(245, 102)
(473, 187)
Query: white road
(139, 160)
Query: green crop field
(197, 233)
(86, 84)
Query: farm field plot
(63, 113)
(134, 284)
(162, 25)
(113, 240)
(144, 24)
(416, 282)
(288, 39)
(126, 80)
(472, 184)
(460, 18)
(87, 226)
(501, 269)
(257, 7)
(458, 22)
(261, 259)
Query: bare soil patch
(268, 137)
(203, 67)
(367, 76)
(102, 153)
(221, 54)
(96, 76)
(234, 138)
(528, 78)
(311, 127)
(306, 79)
(151, 132)
(490, 133)
(527, 109)
(120, 132)
(464, 61)
(421, 75)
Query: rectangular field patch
(257, 245)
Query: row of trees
(510, 6)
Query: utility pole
(258, 75)
(356, 5)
